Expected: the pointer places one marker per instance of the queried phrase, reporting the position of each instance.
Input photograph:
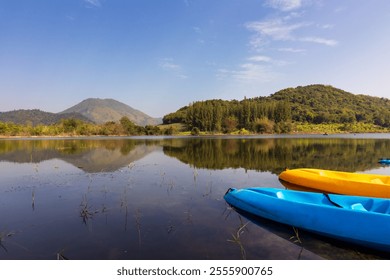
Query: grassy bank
(297, 128)
(74, 129)
(339, 128)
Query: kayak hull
(338, 182)
(360, 220)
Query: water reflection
(260, 154)
(89, 155)
(160, 198)
(276, 154)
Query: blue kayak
(356, 219)
(384, 161)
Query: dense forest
(283, 110)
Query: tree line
(228, 116)
(76, 127)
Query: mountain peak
(104, 110)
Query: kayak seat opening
(358, 206)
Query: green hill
(326, 104)
(279, 112)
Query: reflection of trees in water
(261, 154)
(276, 154)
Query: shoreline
(183, 135)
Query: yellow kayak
(337, 182)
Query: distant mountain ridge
(105, 110)
(36, 117)
(93, 110)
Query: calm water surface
(162, 198)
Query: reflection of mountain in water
(89, 155)
(103, 160)
(276, 154)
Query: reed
(138, 224)
(33, 199)
(296, 236)
(124, 204)
(85, 210)
(60, 256)
(3, 236)
(237, 239)
(196, 174)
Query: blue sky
(158, 56)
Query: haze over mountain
(104, 110)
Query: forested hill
(313, 104)
(320, 103)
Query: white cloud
(168, 65)
(197, 30)
(318, 40)
(281, 30)
(182, 76)
(276, 29)
(260, 58)
(285, 5)
(248, 73)
(326, 26)
(95, 3)
(292, 50)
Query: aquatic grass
(124, 204)
(60, 256)
(298, 240)
(296, 236)
(90, 182)
(188, 216)
(228, 210)
(162, 176)
(85, 210)
(171, 185)
(3, 236)
(237, 239)
(6, 235)
(33, 199)
(171, 228)
(138, 224)
(209, 191)
(196, 174)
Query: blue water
(161, 198)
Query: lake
(162, 197)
